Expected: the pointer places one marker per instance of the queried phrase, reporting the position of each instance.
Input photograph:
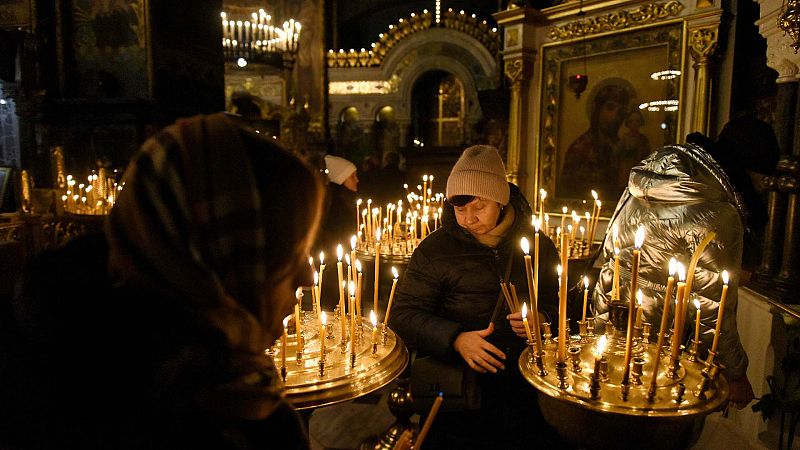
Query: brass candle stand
(589, 405)
(314, 381)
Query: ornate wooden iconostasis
(596, 85)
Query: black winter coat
(452, 285)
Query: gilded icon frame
(569, 124)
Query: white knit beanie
(339, 169)
(479, 172)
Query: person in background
(339, 222)
(385, 185)
(153, 335)
(447, 306)
(679, 194)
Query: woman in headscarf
(164, 345)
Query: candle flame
(564, 209)
(639, 240)
(316, 278)
(696, 303)
(543, 194)
(394, 272)
(601, 346)
(353, 240)
(582, 229)
(298, 293)
(639, 297)
(725, 277)
(586, 282)
(373, 318)
(324, 318)
(536, 225)
(347, 258)
(286, 320)
(358, 265)
(359, 202)
(594, 194)
(322, 258)
(587, 215)
(599, 204)
(339, 252)
(378, 234)
(526, 248)
(673, 266)
(681, 272)
(547, 218)
(524, 309)
(575, 216)
(311, 261)
(558, 269)
(424, 178)
(352, 289)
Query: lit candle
(638, 241)
(720, 311)
(563, 331)
(590, 220)
(532, 293)
(697, 321)
(576, 220)
(352, 290)
(677, 329)
(585, 296)
(424, 188)
(596, 220)
(377, 272)
(673, 266)
(598, 354)
(563, 218)
(535, 298)
(341, 285)
(315, 294)
(391, 297)
(546, 223)
(525, 322)
(374, 320)
(639, 298)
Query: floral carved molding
(641, 15)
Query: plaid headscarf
(190, 224)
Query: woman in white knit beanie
(448, 307)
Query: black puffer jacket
(452, 285)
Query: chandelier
(256, 39)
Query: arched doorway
(438, 109)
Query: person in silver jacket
(679, 194)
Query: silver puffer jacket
(679, 194)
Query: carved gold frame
(671, 33)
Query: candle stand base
(283, 374)
(649, 414)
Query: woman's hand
(480, 355)
(515, 319)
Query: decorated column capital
(517, 70)
(703, 43)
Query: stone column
(703, 47)
(519, 52)
(778, 274)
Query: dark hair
(460, 200)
